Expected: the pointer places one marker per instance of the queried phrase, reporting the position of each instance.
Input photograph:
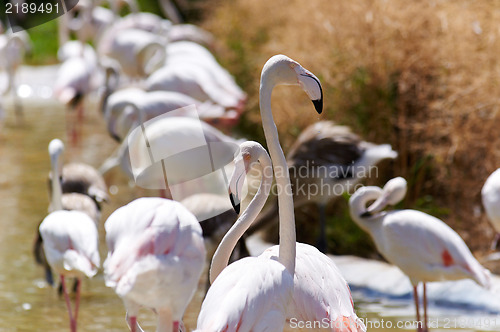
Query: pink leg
(176, 327)
(415, 295)
(72, 322)
(133, 323)
(77, 301)
(425, 309)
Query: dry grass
(421, 75)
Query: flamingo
(155, 258)
(138, 52)
(334, 160)
(74, 82)
(330, 302)
(169, 136)
(192, 80)
(309, 301)
(196, 54)
(422, 246)
(123, 108)
(251, 294)
(77, 187)
(70, 242)
(491, 202)
(12, 50)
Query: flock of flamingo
(145, 67)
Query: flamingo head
(250, 153)
(393, 192)
(289, 72)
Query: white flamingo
(123, 108)
(491, 202)
(332, 301)
(193, 80)
(70, 243)
(12, 50)
(251, 294)
(422, 246)
(155, 259)
(77, 187)
(138, 52)
(170, 136)
(195, 54)
(75, 79)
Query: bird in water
(155, 258)
(422, 246)
(70, 241)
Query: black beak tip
(235, 203)
(116, 138)
(365, 214)
(318, 105)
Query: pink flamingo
(422, 246)
(155, 258)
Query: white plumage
(491, 202)
(422, 246)
(155, 258)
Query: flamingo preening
(422, 246)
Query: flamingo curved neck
(226, 246)
(358, 204)
(56, 200)
(287, 237)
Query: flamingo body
(320, 291)
(250, 295)
(425, 248)
(491, 199)
(156, 255)
(70, 243)
(422, 246)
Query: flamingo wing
(321, 293)
(70, 242)
(249, 295)
(427, 249)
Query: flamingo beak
(312, 87)
(236, 184)
(235, 202)
(379, 204)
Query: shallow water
(28, 304)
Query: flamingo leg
(72, 322)
(77, 300)
(321, 244)
(415, 296)
(133, 323)
(176, 326)
(425, 309)
(15, 98)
